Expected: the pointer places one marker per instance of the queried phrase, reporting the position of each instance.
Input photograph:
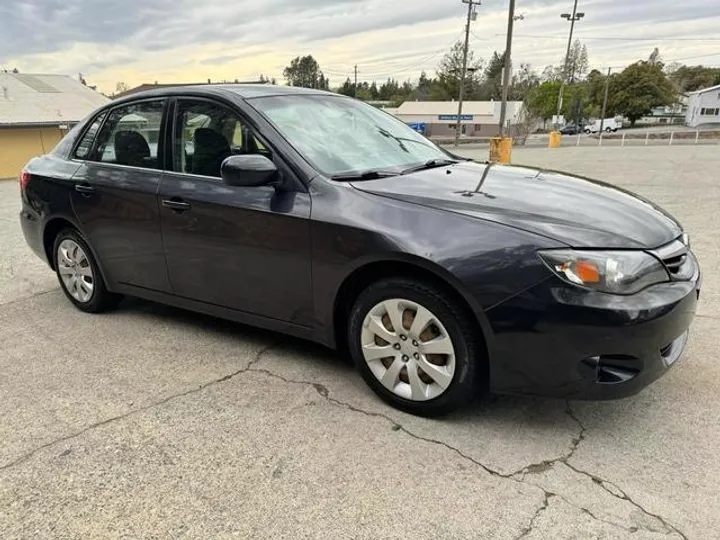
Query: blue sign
(420, 127)
(454, 117)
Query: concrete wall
(19, 145)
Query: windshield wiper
(364, 175)
(400, 140)
(432, 164)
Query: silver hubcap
(75, 270)
(408, 349)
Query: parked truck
(609, 125)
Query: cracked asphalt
(152, 422)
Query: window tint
(130, 136)
(86, 142)
(206, 134)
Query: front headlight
(614, 272)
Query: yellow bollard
(500, 150)
(555, 138)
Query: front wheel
(415, 347)
(79, 275)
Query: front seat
(211, 149)
(131, 148)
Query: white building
(479, 118)
(703, 107)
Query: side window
(83, 149)
(130, 136)
(206, 134)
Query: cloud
(185, 40)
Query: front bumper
(556, 340)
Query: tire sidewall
(463, 383)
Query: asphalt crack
(515, 476)
(544, 506)
(30, 297)
(618, 493)
(23, 458)
(542, 466)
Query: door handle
(177, 205)
(84, 188)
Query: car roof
(244, 91)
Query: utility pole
(605, 100)
(458, 126)
(355, 81)
(508, 67)
(572, 18)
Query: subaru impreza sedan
(319, 216)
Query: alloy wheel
(75, 270)
(408, 349)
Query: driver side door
(243, 248)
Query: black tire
(469, 353)
(101, 299)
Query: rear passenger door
(244, 248)
(115, 193)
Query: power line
(613, 38)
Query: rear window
(64, 147)
(83, 149)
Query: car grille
(678, 259)
(675, 264)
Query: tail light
(24, 179)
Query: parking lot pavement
(151, 422)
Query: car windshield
(341, 136)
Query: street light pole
(471, 4)
(508, 66)
(572, 18)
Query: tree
(654, 57)
(691, 78)
(450, 70)
(347, 88)
(542, 100)
(641, 87)
(305, 71)
(491, 85)
(523, 81)
(577, 63)
(267, 80)
(121, 87)
(551, 73)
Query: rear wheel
(414, 347)
(78, 274)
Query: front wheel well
(52, 229)
(361, 278)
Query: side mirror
(249, 171)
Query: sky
(172, 41)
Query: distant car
(571, 129)
(608, 126)
(317, 215)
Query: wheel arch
(50, 231)
(52, 228)
(370, 272)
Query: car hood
(576, 211)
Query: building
(439, 118)
(703, 107)
(36, 111)
(671, 114)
